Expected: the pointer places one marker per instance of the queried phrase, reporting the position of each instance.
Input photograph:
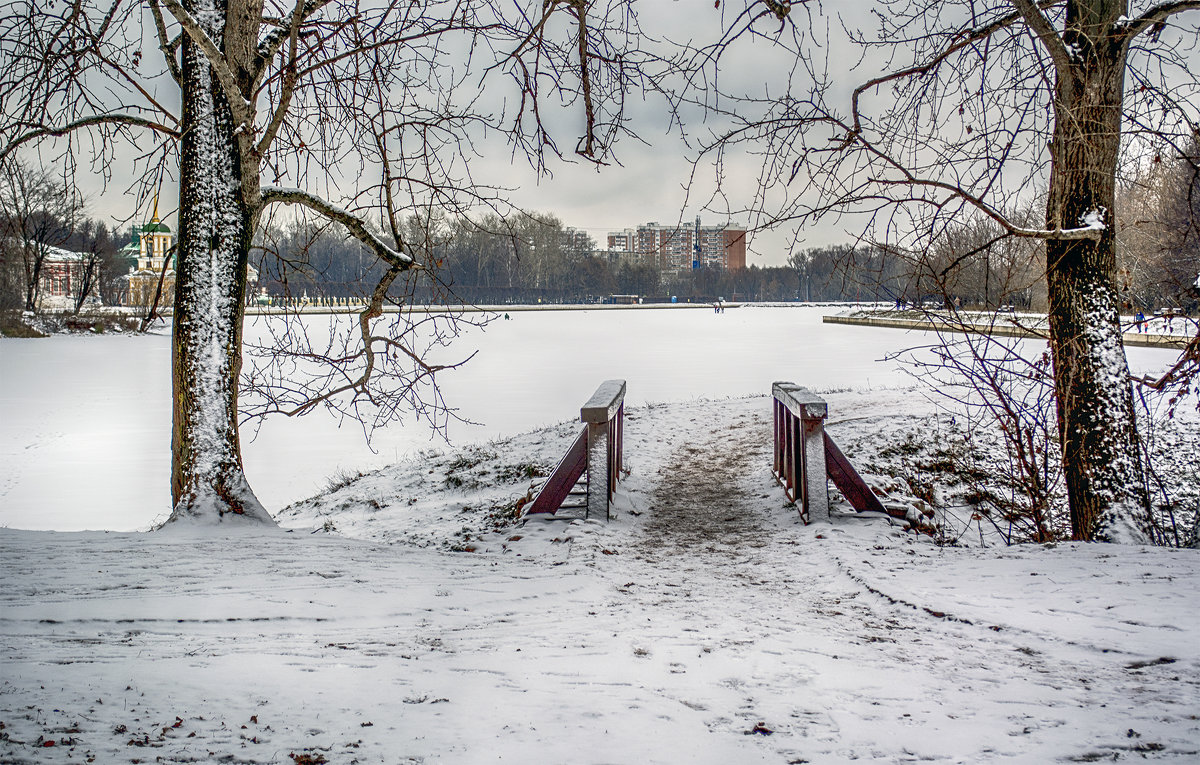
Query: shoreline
(354, 309)
(929, 324)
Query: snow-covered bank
(85, 421)
(1158, 332)
(703, 624)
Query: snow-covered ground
(401, 618)
(404, 616)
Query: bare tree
(278, 102)
(97, 261)
(38, 213)
(974, 106)
(1159, 237)
(989, 380)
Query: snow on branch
(119, 120)
(274, 40)
(357, 228)
(1086, 231)
(290, 77)
(1157, 15)
(1094, 219)
(165, 43)
(1091, 224)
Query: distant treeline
(527, 258)
(534, 259)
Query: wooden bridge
(805, 458)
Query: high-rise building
(681, 247)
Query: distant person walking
(1140, 320)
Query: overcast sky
(648, 182)
(650, 179)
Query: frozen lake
(85, 437)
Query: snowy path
(693, 628)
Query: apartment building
(676, 248)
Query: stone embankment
(1006, 325)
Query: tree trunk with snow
(216, 222)
(1102, 463)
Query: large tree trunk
(1101, 456)
(215, 228)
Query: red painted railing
(805, 456)
(599, 450)
(800, 449)
(558, 487)
(849, 482)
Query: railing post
(597, 469)
(816, 487)
(604, 416)
(800, 448)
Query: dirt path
(699, 506)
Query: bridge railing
(598, 451)
(799, 424)
(805, 456)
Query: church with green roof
(150, 258)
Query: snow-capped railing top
(604, 402)
(799, 425)
(800, 401)
(598, 451)
(805, 456)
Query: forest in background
(531, 258)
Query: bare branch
(289, 82)
(271, 43)
(1153, 17)
(353, 224)
(124, 120)
(963, 39)
(1046, 32)
(164, 41)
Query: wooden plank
(604, 402)
(800, 401)
(814, 471)
(558, 487)
(848, 481)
